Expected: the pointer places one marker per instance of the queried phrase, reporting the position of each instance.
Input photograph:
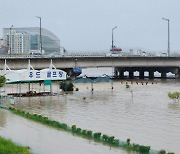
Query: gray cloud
(87, 24)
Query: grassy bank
(88, 134)
(8, 147)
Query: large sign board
(26, 75)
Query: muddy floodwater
(143, 113)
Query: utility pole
(168, 49)
(112, 48)
(40, 35)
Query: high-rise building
(19, 43)
(1, 45)
(1, 42)
(19, 36)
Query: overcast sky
(86, 25)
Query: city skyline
(87, 25)
(27, 40)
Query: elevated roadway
(120, 63)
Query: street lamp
(168, 50)
(40, 35)
(113, 38)
(10, 39)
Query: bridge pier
(131, 74)
(116, 72)
(177, 76)
(177, 73)
(163, 75)
(141, 74)
(121, 74)
(151, 74)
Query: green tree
(66, 86)
(70, 86)
(2, 80)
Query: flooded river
(143, 113)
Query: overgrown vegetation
(164, 152)
(8, 147)
(174, 95)
(97, 136)
(127, 85)
(2, 80)
(66, 86)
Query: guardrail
(85, 55)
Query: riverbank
(88, 134)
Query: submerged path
(87, 134)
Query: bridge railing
(122, 54)
(15, 56)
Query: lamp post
(40, 35)
(113, 38)
(10, 38)
(75, 62)
(168, 50)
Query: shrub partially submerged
(174, 95)
(66, 86)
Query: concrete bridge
(120, 64)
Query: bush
(77, 89)
(70, 86)
(66, 86)
(89, 133)
(63, 86)
(162, 152)
(97, 135)
(128, 141)
(144, 149)
(127, 86)
(105, 138)
(111, 139)
(84, 132)
(2, 80)
(175, 95)
(136, 147)
(78, 130)
(116, 142)
(73, 128)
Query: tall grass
(8, 147)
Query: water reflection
(174, 107)
(147, 117)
